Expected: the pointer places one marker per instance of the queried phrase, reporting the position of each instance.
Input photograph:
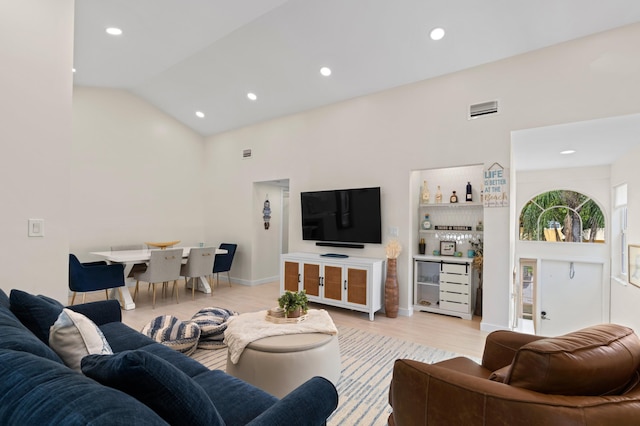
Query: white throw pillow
(74, 336)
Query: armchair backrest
(200, 262)
(223, 261)
(75, 273)
(598, 360)
(94, 275)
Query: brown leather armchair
(588, 377)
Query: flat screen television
(342, 215)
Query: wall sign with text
(496, 186)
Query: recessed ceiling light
(568, 151)
(326, 71)
(437, 34)
(73, 70)
(113, 31)
(252, 96)
(199, 114)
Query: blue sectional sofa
(158, 386)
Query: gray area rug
(367, 367)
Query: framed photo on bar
(447, 248)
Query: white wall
(36, 51)
(136, 174)
(625, 298)
(378, 140)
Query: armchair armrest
(102, 312)
(501, 346)
(309, 404)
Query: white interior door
(570, 296)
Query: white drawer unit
(443, 285)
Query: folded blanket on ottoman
(246, 328)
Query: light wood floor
(449, 333)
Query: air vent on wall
(246, 153)
(484, 108)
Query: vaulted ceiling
(207, 55)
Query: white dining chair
(164, 266)
(199, 264)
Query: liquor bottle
(426, 223)
(422, 246)
(469, 197)
(453, 198)
(425, 195)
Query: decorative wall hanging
(496, 186)
(266, 212)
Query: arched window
(562, 216)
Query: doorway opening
(270, 229)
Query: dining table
(128, 258)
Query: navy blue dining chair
(94, 276)
(222, 262)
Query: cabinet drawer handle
(298, 278)
(321, 282)
(345, 284)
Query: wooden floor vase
(391, 289)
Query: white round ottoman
(279, 364)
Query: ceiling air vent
(246, 153)
(484, 108)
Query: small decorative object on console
(422, 246)
(277, 315)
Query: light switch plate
(36, 227)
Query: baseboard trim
(405, 312)
(491, 327)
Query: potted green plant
(294, 304)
